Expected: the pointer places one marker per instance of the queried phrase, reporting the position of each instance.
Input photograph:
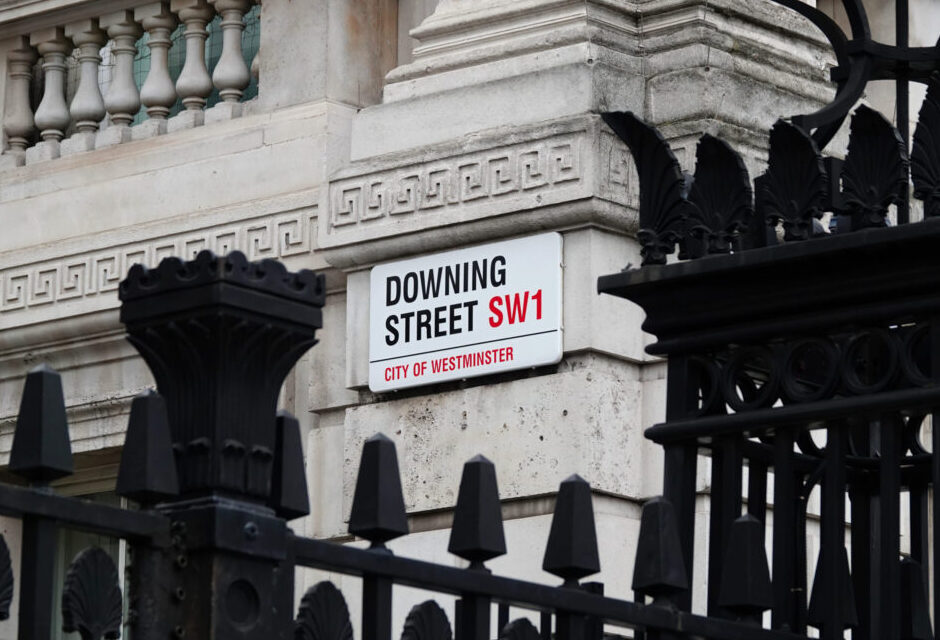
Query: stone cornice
(456, 38)
(553, 175)
(84, 280)
(18, 17)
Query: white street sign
(465, 313)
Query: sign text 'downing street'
(466, 313)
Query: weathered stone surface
(79, 142)
(536, 430)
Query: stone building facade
(381, 130)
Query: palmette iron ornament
(427, 621)
(925, 156)
(716, 211)
(323, 614)
(519, 629)
(793, 190)
(91, 597)
(722, 198)
(875, 172)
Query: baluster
(18, 124)
(231, 75)
(157, 93)
(52, 115)
(123, 99)
(194, 84)
(87, 106)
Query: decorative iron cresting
(715, 211)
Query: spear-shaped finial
(659, 569)
(571, 553)
(821, 601)
(477, 532)
(289, 497)
(41, 450)
(745, 579)
(148, 471)
(378, 510)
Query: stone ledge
(80, 279)
(454, 38)
(485, 177)
(24, 16)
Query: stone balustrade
(92, 118)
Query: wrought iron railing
(805, 352)
(775, 340)
(217, 476)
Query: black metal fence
(805, 352)
(212, 555)
(778, 339)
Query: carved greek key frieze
(76, 277)
(465, 180)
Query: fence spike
(915, 613)
(821, 602)
(41, 450)
(477, 532)
(659, 569)
(148, 471)
(427, 621)
(378, 510)
(289, 497)
(745, 578)
(571, 552)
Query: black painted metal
(786, 333)
(477, 534)
(799, 335)
(148, 472)
(91, 596)
(215, 559)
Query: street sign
(465, 313)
